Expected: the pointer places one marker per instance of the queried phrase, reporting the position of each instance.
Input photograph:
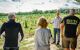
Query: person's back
(71, 23)
(43, 37)
(11, 33)
(69, 33)
(11, 29)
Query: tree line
(41, 12)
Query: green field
(28, 23)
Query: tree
(37, 11)
(78, 0)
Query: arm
(62, 29)
(21, 32)
(50, 33)
(2, 29)
(36, 38)
(52, 21)
(78, 30)
(50, 37)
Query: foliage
(3, 14)
(41, 12)
(78, 0)
(28, 22)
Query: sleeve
(36, 38)
(2, 29)
(50, 37)
(50, 33)
(35, 35)
(79, 21)
(21, 32)
(78, 29)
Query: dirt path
(53, 46)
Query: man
(56, 23)
(11, 29)
(70, 31)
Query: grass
(28, 23)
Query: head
(72, 12)
(11, 16)
(58, 13)
(42, 22)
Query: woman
(42, 35)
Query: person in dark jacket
(11, 29)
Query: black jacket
(11, 29)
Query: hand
(61, 36)
(21, 40)
(77, 34)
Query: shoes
(58, 43)
(53, 43)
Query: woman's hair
(42, 22)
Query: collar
(11, 20)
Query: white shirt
(42, 37)
(56, 22)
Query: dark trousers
(56, 32)
(11, 48)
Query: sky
(7, 6)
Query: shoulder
(18, 23)
(77, 17)
(49, 29)
(66, 17)
(4, 23)
(38, 29)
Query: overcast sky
(29, 5)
